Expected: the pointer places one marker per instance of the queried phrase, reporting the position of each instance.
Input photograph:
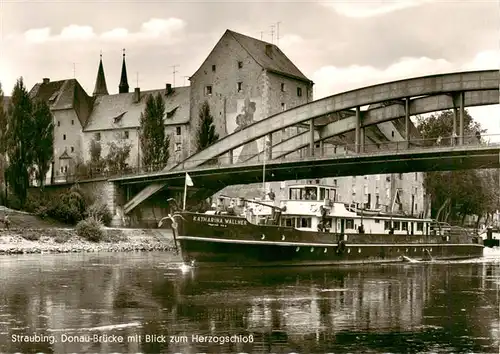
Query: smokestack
(46, 80)
(137, 95)
(169, 89)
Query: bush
(31, 236)
(91, 229)
(62, 238)
(99, 211)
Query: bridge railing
(329, 149)
(324, 150)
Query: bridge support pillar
(311, 137)
(455, 130)
(362, 139)
(357, 131)
(407, 121)
(462, 116)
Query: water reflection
(445, 307)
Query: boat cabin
(315, 208)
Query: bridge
(343, 113)
(394, 159)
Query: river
(146, 302)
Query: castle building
(244, 80)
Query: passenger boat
(311, 228)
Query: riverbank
(66, 240)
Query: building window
(213, 68)
(125, 134)
(420, 226)
(65, 169)
(283, 106)
(62, 169)
(178, 146)
(208, 90)
(178, 131)
(404, 225)
(392, 133)
(282, 87)
(97, 136)
(72, 122)
(299, 91)
(240, 84)
(64, 136)
(58, 123)
(416, 176)
(72, 149)
(240, 64)
(400, 176)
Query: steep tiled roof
(64, 94)
(120, 110)
(277, 62)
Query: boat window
(310, 193)
(387, 225)
(289, 222)
(404, 225)
(323, 193)
(396, 225)
(305, 222)
(349, 223)
(377, 221)
(420, 226)
(294, 194)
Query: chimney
(269, 50)
(169, 89)
(46, 80)
(137, 95)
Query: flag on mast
(189, 181)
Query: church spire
(123, 87)
(100, 82)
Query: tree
(3, 122)
(455, 194)
(118, 154)
(19, 140)
(3, 130)
(206, 131)
(154, 142)
(43, 152)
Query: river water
(87, 303)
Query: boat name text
(214, 219)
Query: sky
(340, 45)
